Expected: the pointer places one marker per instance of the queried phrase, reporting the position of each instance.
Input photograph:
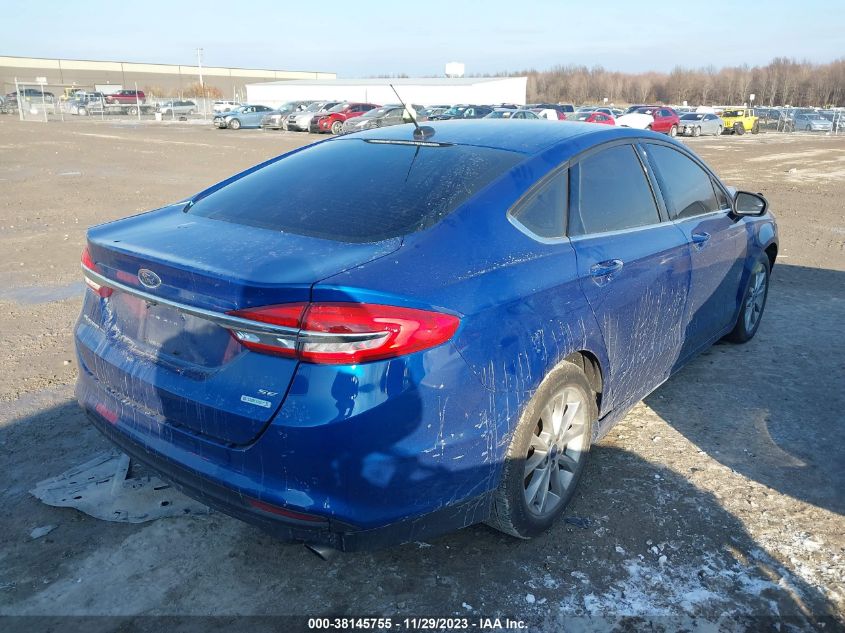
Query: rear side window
(613, 193)
(352, 190)
(543, 212)
(687, 188)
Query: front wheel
(753, 302)
(739, 128)
(234, 124)
(719, 131)
(673, 131)
(755, 129)
(547, 454)
(337, 127)
(133, 110)
(696, 131)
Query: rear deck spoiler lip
(231, 322)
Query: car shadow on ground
(769, 409)
(641, 546)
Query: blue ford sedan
(388, 335)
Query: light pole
(199, 64)
(202, 85)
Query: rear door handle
(700, 239)
(602, 269)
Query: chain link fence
(37, 101)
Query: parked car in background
(308, 345)
(463, 111)
(224, 106)
(602, 109)
(563, 108)
(740, 120)
(275, 119)
(811, 122)
(245, 116)
(32, 94)
(433, 111)
(657, 118)
(301, 121)
(549, 114)
(512, 113)
(127, 97)
(591, 116)
(176, 107)
(384, 116)
(698, 123)
(332, 121)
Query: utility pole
(199, 63)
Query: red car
(127, 97)
(593, 116)
(665, 119)
(333, 120)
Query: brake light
(88, 262)
(345, 333)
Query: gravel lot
(718, 501)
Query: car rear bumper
(331, 533)
(375, 455)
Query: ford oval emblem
(149, 279)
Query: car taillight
(88, 262)
(345, 333)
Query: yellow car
(740, 121)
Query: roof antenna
(421, 133)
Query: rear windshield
(352, 190)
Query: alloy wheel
(555, 451)
(756, 299)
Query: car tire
(719, 131)
(755, 129)
(648, 127)
(537, 484)
(190, 112)
(673, 131)
(132, 110)
(753, 302)
(337, 127)
(739, 129)
(696, 131)
(809, 128)
(234, 124)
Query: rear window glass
(353, 190)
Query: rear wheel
(755, 129)
(132, 110)
(809, 128)
(337, 126)
(673, 131)
(234, 124)
(753, 302)
(547, 454)
(696, 131)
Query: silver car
(301, 121)
(811, 122)
(177, 107)
(698, 123)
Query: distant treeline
(781, 82)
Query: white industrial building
(426, 91)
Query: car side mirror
(746, 203)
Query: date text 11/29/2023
(416, 624)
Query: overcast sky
(359, 39)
